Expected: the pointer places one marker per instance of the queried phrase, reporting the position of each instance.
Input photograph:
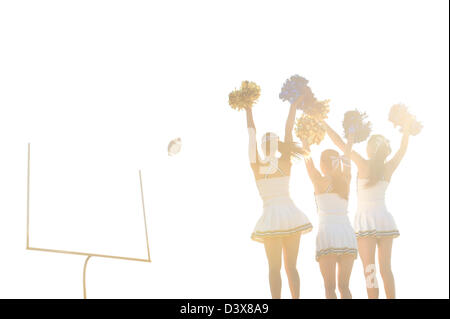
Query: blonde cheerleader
(374, 225)
(336, 240)
(282, 223)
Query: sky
(99, 88)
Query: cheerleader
(336, 240)
(374, 225)
(282, 223)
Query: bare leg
(290, 251)
(345, 266)
(273, 252)
(384, 260)
(367, 247)
(327, 265)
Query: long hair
(331, 160)
(379, 150)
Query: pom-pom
(245, 97)
(399, 115)
(234, 99)
(297, 87)
(315, 108)
(293, 88)
(354, 123)
(309, 130)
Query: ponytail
(339, 183)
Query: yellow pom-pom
(245, 97)
(309, 130)
(234, 99)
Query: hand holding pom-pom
(296, 90)
(309, 130)
(245, 97)
(400, 116)
(250, 93)
(355, 125)
(293, 88)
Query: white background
(99, 88)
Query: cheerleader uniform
(372, 217)
(280, 216)
(336, 235)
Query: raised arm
(288, 139)
(347, 165)
(392, 164)
(313, 173)
(252, 147)
(290, 124)
(339, 142)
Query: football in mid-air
(174, 147)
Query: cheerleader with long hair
(336, 241)
(374, 225)
(282, 223)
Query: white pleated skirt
(280, 218)
(373, 219)
(335, 236)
